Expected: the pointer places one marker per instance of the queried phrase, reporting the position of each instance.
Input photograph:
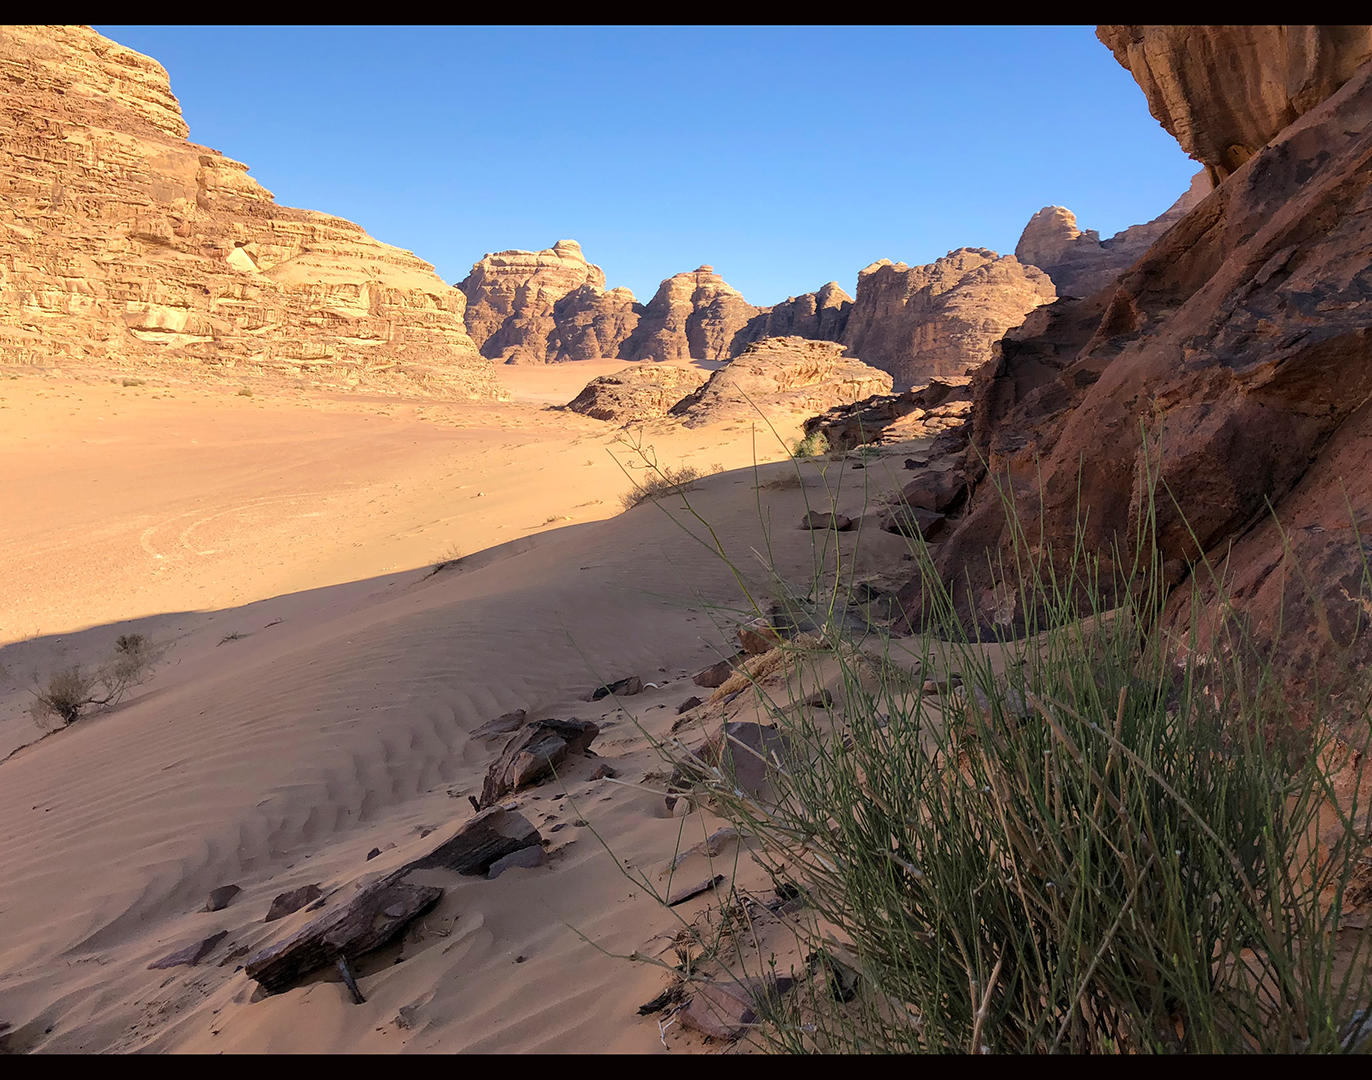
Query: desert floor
(318, 684)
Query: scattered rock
(622, 688)
(604, 770)
(820, 699)
(222, 897)
(483, 840)
(373, 854)
(680, 896)
(288, 903)
(191, 954)
(718, 674)
(820, 520)
(746, 752)
(373, 917)
(935, 489)
(687, 705)
(527, 858)
(710, 846)
(510, 721)
(913, 521)
(534, 753)
(681, 807)
(916, 463)
(758, 637)
(724, 1010)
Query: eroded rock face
(644, 392)
(1224, 91)
(125, 246)
(781, 375)
(1242, 345)
(821, 316)
(693, 316)
(1081, 263)
(921, 322)
(540, 306)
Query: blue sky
(783, 156)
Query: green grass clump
(812, 445)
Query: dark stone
(913, 521)
(489, 836)
(288, 903)
(603, 770)
(916, 463)
(724, 1010)
(222, 897)
(622, 688)
(746, 752)
(680, 896)
(687, 705)
(191, 954)
(935, 489)
(717, 675)
(527, 858)
(820, 699)
(534, 753)
(821, 520)
(373, 854)
(501, 724)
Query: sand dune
(317, 694)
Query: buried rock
(820, 520)
(687, 705)
(221, 897)
(622, 688)
(746, 752)
(480, 843)
(904, 520)
(534, 753)
(501, 725)
(372, 918)
(525, 858)
(725, 1010)
(288, 903)
(191, 954)
(935, 489)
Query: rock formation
(540, 306)
(1241, 344)
(125, 246)
(921, 322)
(643, 392)
(693, 316)
(782, 375)
(1224, 91)
(1081, 263)
(820, 316)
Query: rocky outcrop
(540, 306)
(1224, 91)
(643, 392)
(122, 245)
(820, 316)
(1241, 347)
(925, 321)
(693, 316)
(779, 376)
(942, 405)
(1081, 263)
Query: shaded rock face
(942, 405)
(540, 306)
(780, 375)
(1242, 345)
(692, 316)
(126, 246)
(820, 315)
(636, 393)
(1224, 91)
(918, 323)
(1081, 263)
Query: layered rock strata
(1240, 348)
(124, 245)
(778, 376)
(643, 392)
(696, 315)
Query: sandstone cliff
(779, 376)
(1224, 91)
(1241, 344)
(925, 321)
(820, 316)
(644, 392)
(123, 245)
(693, 316)
(1080, 262)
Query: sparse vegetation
(71, 692)
(663, 480)
(453, 556)
(812, 445)
(245, 391)
(131, 382)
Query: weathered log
(370, 919)
(533, 754)
(489, 836)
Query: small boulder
(758, 637)
(916, 463)
(717, 675)
(288, 903)
(622, 688)
(534, 753)
(821, 520)
(481, 843)
(747, 752)
(604, 770)
(687, 705)
(724, 1010)
(222, 897)
(373, 854)
(935, 489)
(820, 699)
(913, 521)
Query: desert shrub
(812, 445)
(664, 480)
(131, 382)
(1099, 843)
(245, 391)
(69, 693)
